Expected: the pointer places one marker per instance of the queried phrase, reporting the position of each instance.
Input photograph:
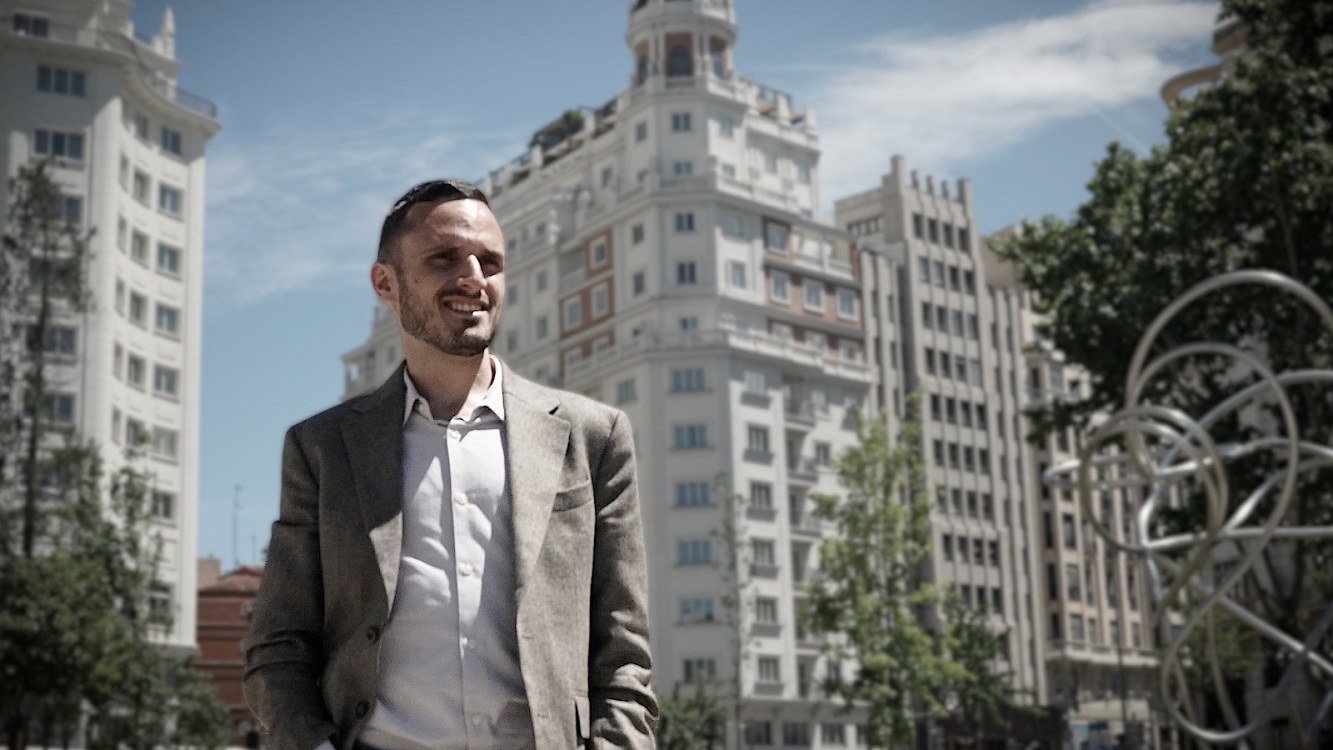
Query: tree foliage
(79, 629)
(1245, 181)
(877, 605)
(695, 720)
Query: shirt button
(465, 569)
(460, 498)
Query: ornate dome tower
(680, 39)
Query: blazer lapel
(537, 441)
(373, 437)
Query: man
(458, 560)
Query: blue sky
(331, 109)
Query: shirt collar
(493, 400)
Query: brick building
(224, 618)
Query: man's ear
(385, 283)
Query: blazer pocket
(572, 497)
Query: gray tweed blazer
(311, 658)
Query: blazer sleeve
(284, 654)
(623, 707)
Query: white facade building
(665, 256)
(938, 325)
(78, 84)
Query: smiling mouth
(471, 309)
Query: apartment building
(665, 255)
(939, 326)
(82, 87)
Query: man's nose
(471, 272)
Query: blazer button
(361, 709)
(372, 634)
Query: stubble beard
(424, 320)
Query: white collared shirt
(449, 668)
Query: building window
(757, 439)
(165, 443)
(54, 80)
(638, 283)
(847, 304)
(814, 295)
(160, 605)
(685, 222)
(729, 170)
(733, 226)
(573, 312)
(168, 259)
(776, 236)
(168, 319)
(696, 609)
(694, 552)
(803, 174)
(640, 132)
(171, 140)
(726, 126)
(680, 122)
(141, 186)
(1076, 628)
(58, 144)
(690, 436)
(682, 168)
(1073, 582)
(770, 669)
(796, 733)
(770, 162)
(833, 734)
(736, 273)
(687, 272)
(541, 281)
(678, 61)
(779, 287)
(1069, 533)
(164, 505)
(597, 253)
(138, 309)
(166, 381)
(692, 494)
(169, 200)
(759, 733)
(946, 547)
(823, 454)
(541, 327)
(141, 126)
(687, 380)
(30, 25)
(699, 670)
(964, 242)
(601, 301)
(511, 341)
(689, 323)
(761, 495)
(60, 340)
(135, 432)
(636, 234)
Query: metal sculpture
(1159, 447)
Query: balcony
(129, 52)
(808, 526)
(799, 412)
(802, 471)
(758, 343)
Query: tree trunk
(37, 381)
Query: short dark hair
(434, 191)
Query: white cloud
(945, 99)
(301, 207)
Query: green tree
(42, 283)
(1245, 181)
(696, 720)
(79, 625)
(737, 601)
(875, 602)
(976, 691)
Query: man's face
(447, 285)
